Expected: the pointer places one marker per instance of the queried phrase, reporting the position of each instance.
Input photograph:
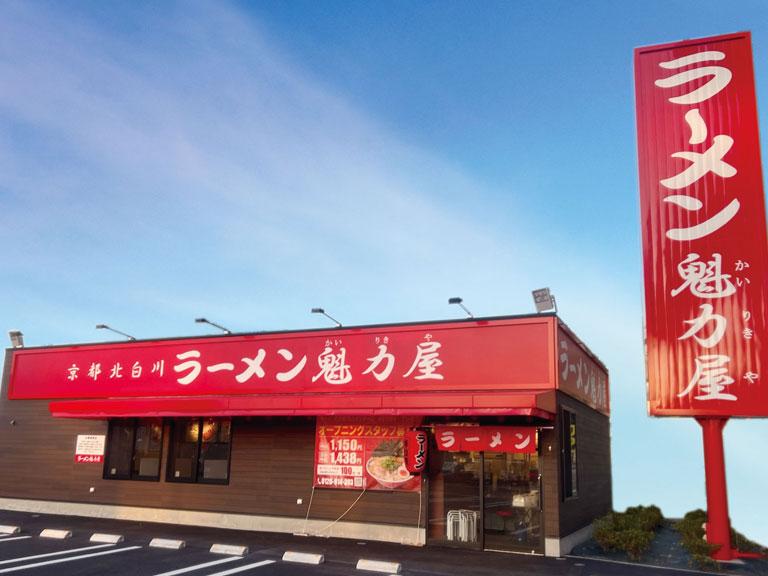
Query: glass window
(454, 498)
(569, 464)
(134, 449)
(214, 451)
(147, 449)
(182, 464)
(511, 505)
(200, 449)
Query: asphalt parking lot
(29, 552)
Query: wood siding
(271, 467)
(593, 459)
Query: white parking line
(199, 566)
(68, 559)
(35, 557)
(242, 568)
(14, 538)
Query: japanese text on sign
(486, 438)
(703, 226)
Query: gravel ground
(667, 550)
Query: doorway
(485, 500)
(511, 502)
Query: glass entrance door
(511, 511)
(455, 500)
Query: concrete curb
(303, 557)
(167, 544)
(229, 550)
(655, 566)
(107, 538)
(378, 566)
(10, 529)
(56, 534)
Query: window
(200, 451)
(569, 464)
(133, 449)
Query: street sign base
(718, 522)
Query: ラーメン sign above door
(705, 252)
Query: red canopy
(518, 403)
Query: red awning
(519, 403)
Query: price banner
(363, 453)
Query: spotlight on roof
(17, 338)
(105, 327)
(324, 313)
(219, 326)
(457, 300)
(544, 300)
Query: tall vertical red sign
(705, 253)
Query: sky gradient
(248, 161)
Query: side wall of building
(595, 497)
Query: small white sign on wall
(90, 448)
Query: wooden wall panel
(593, 453)
(550, 482)
(271, 467)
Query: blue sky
(247, 161)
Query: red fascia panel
(512, 404)
(436, 401)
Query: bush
(741, 542)
(631, 532)
(605, 531)
(692, 534)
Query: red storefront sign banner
(504, 354)
(705, 251)
(363, 453)
(486, 438)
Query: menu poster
(89, 448)
(363, 453)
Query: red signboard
(579, 374)
(416, 451)
(363, 454)
(486, 438)
(504, 354)
(703, 223)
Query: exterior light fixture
(105, 327)
(324, 313)
(17, 338)
(544, 300)
(206, 321)
(457, 300)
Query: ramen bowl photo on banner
(363, 453)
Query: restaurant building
(487, 433)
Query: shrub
(741, 542)
(692, 534)
(605, 531)
(635, 542)
(631, 532)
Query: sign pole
(718, 522)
